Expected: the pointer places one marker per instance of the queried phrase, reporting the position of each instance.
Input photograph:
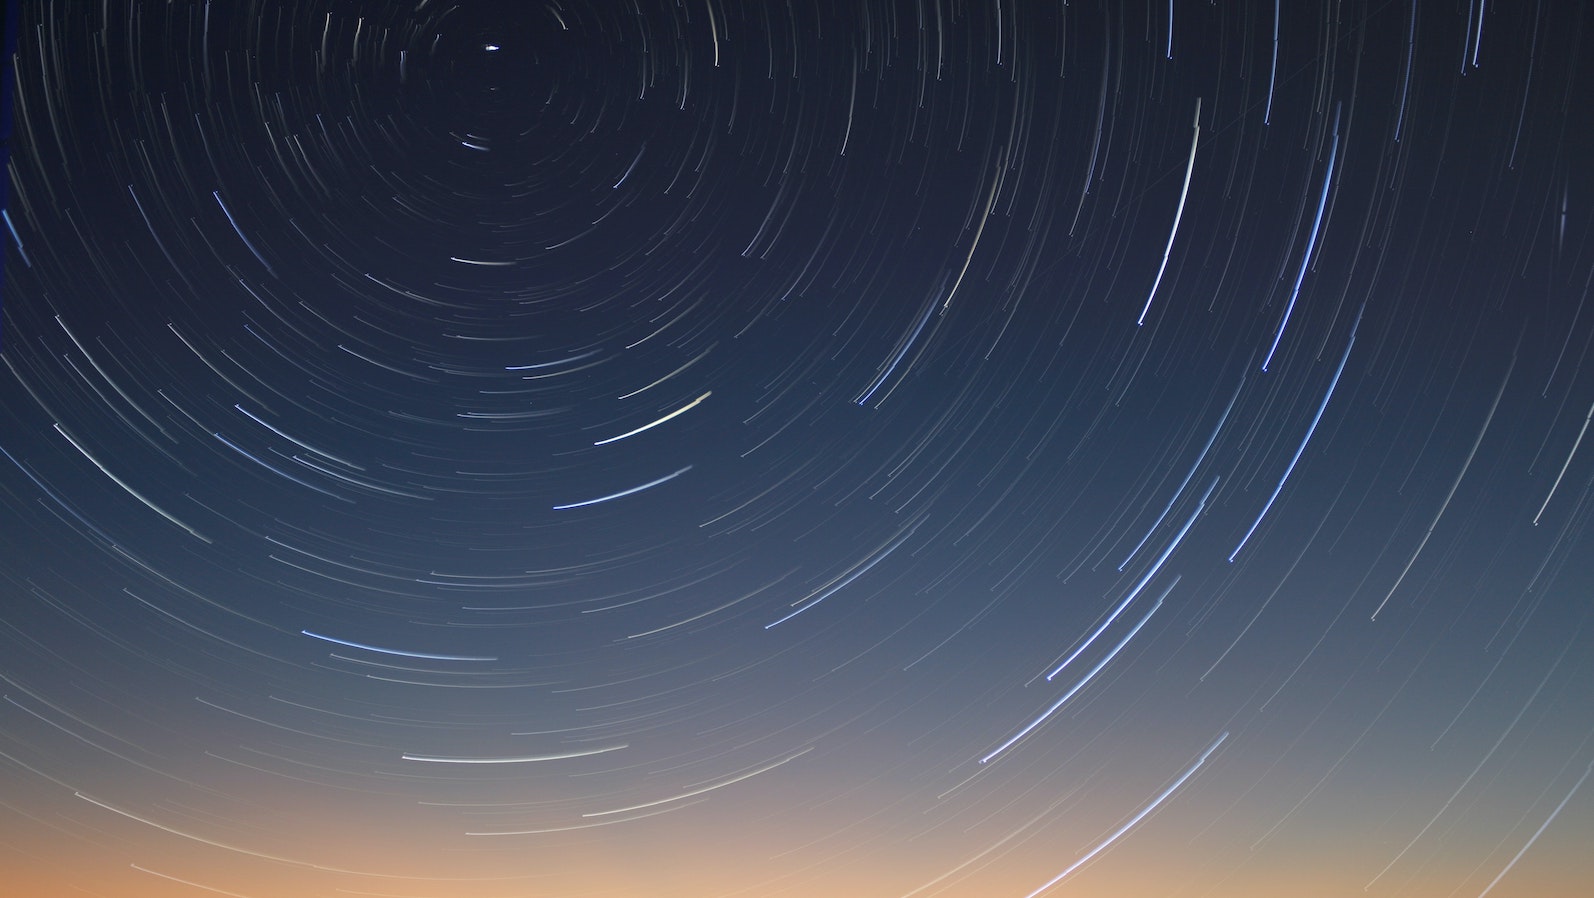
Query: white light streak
(623, 493)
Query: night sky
(858, 448)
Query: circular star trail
(721, 449)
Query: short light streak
(1187, 477)
(526, 759)
(575, 826)
(695, 359)
(680, 411)
(1538, 832)
(1083, 681)
(187, 623)
(480, 262)
(1170, 29)
(383, 365)
(73, 732)
(709, 788)
(1189, 169)
(1477, 45)
(56, 498)
(301, 444)
(130, 491)
(652, 593)
(437, 685)
(1273, 72)
(6, 214)
(1304, 440)
(1311, 244)
(623, 493)
(372, 648)
(712, 611)
(240, 232)
(275, 470)
(907, 343)
(761, 494)
(990, 203)
(1564, 465)
(188, 882)
(408, 293)
(1146, 578)
(1117, 834)
(998, 844)
(511, 416)
(575, 358)
(223, 845)
(361, 484)
(714, 30)
(852, 102)
(1405, 80)
(841, 581)
(260, 720)
(630, 167)
(896, 357)
(386, 665)
(1483, 761)
(328, 560)
(108, 378)
(1095, 145)
(1477, 441)
(201, 356)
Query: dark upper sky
(845, 449)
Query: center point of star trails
(520, 759)
(372, 648)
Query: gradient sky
(484, 449)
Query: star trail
(474, 448)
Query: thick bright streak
(623, 493)
(680, 411)
(1146, 578)
(1189, 168)
(1327, 395)
(1311, 245)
